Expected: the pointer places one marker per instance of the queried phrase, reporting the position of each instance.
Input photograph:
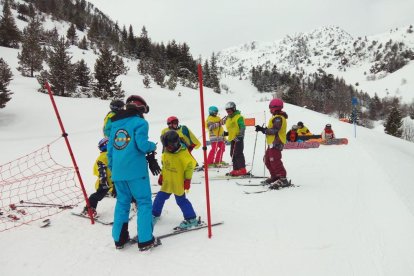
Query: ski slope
(352, 213)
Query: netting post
(65, 135)
(203, 125)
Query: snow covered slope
(353, 213)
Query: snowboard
(335, 141)
(301, 145)
(307, 137)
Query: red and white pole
(203, 125)
(65, 135)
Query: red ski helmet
(171, 119)
(275, 105)
(138, 103)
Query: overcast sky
(213, 25)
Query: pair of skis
(264, 186)
(177, 231)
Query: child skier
(186, 136)
(104, 183)
(216, 135)
(236, 128)
(115, 106)
(175, 178)
(275, 138)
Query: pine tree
(82, 73)
(5, 78)
(31, 56)
(131, 43)
(214, 79)
(146, 81)
(107, 69)
(61, 74)
(144, 44)
(83, 44)
(71, 35)
(9, 33)
(394, 122)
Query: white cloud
(214, 25)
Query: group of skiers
(125, 153)
(299, 133)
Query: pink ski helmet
(276, 105)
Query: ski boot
(145, 247)
(86, 214)
(187, 224)
(280, 183)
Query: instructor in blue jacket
(129, 151)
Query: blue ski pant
(139, 189)
(182, 202)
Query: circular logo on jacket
(122, 139)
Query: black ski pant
(237, 155)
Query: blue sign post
(354, 113)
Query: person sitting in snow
(175, 178)
(275, 138)
(292, 135)
(327, 133)
(104, 183)
(302, 129)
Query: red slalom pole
(65, 135)
(203, 125)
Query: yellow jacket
(303, 131)
(186, 136)
(235, 125)
(104, 159)
(270, 139)
(176, 167)
(215, 129)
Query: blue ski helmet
(103, 144)
(213, 110)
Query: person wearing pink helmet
(276, 139)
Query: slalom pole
(264, 164)
(65, 135)
(203, 127)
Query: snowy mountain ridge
(321, 48)
(356, 59)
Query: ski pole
(254, 151)
(43, 203)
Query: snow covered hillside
(336, 52)
(352, 214)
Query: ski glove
(225, 133)
(261, 129)
(191, 147)
(160, 180)
(187, 184)
(152, 163)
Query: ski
(229, 177)
(95, 219)
(268, 190)
(44, 223)
(251, 184)
(177, 232)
